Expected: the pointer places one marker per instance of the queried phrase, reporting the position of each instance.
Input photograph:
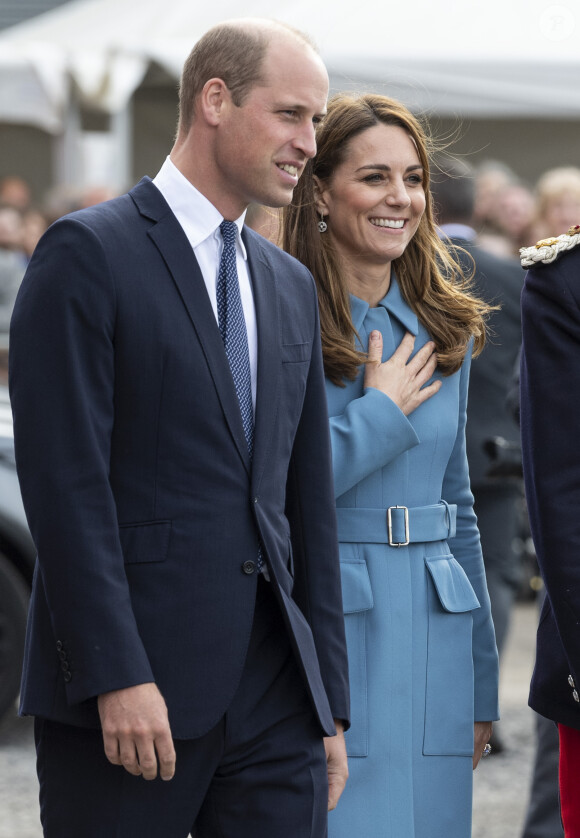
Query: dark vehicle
(17, 555)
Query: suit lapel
(175, 249)
(268, 322)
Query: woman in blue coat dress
(398, 330)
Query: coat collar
(392, 301)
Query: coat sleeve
(312, 515)
(61, 387)
(466, 548)
(370, 433)
(550, 407)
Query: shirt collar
(457, 231)
(196, 214)
(394, 303)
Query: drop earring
(322, 225)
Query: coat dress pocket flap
(146, 542)
(451, 583)
(357, 594)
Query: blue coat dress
(422, 655)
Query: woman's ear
(319, 196)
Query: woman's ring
(486, 751)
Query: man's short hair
(453, 190)
(233, 51)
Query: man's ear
(319, 196)
(213, 101)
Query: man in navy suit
(549, 409)
(186, 619)
(499, 282)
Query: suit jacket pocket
(295, 353)
(449, 690)
(357, 597)
(145, 542)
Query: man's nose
(306, 140)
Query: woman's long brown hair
(431, 280)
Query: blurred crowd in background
(509, 214)
(22, 223)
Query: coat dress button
(571, 681)
(67, 676)
(575, 695)
(58, 646)
(249, 567)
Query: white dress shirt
(201, 221)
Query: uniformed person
(550, 421)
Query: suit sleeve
(550, 407)
(311, 511)
(466, 548)
(372, 430)
(61, 386)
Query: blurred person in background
(492, 434)
(12, 265)
(15, 192)
(491, 176)
(34, 224)
(398, 330)
(558, 202)
(512, 216)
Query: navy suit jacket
(499, 282)
(550, 411)
(136, 480)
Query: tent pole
(122, 136)
(67, 147)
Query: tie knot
(228, 231)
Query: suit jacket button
(58, 646)
(575, 695)
(571, 681)
(64, 666)
(67, 676)
(62, 655)
(249, 567)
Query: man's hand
(136, 731)
(337, 765)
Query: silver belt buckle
(390, 527)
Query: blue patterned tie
(232, 325)
(233, 328)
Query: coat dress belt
(397, 526)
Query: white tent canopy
(506, 59)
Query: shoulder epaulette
(548, 250)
